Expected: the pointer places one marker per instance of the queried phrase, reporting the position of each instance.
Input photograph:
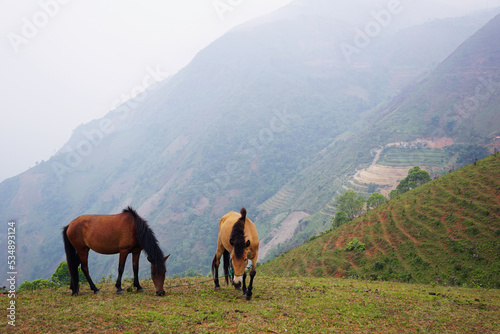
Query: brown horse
(238, 242)
(123, 233)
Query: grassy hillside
(445, 232)
(291, 305)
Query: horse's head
(239, 260)
(158, 275)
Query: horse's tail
(226, 263)
(243, 213)
(72, 259)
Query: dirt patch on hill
(382, 175)
(438, 143)
(284, 232)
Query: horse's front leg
(244, 287)
(250, 284)
(121, 267)
(135, 267)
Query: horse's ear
(247, 244)
(149, 259)
(231, 241)
(166, 257)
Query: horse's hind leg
(84, 256)
(73, 269)
(215, 270)
(135, 267)
(121, 267)
(73, 261)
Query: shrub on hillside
(59, 277)
(37, 284)
(356, 246)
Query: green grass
(280, 305)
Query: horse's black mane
(147, 240)
(238, 235)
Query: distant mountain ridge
(270, 117)
(460, 97)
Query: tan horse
(123, 233)
(238, 242)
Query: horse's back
(226, 224)
(229, 219)
(105, 234)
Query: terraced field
(278, 200)
(401, 157)
(444, 232)
(391, 164)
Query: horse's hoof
(217, 288)
(121, 292)
(248, 297)
(140, 290)
(75, 294)
(97, 291)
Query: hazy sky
(66, 62)
(83, 56)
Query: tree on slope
(416, 177)
(375, 200)
(351, 204)
(340, 219)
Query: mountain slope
(419, 126)
(446, 231)
(459, 99)
(257, 120)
